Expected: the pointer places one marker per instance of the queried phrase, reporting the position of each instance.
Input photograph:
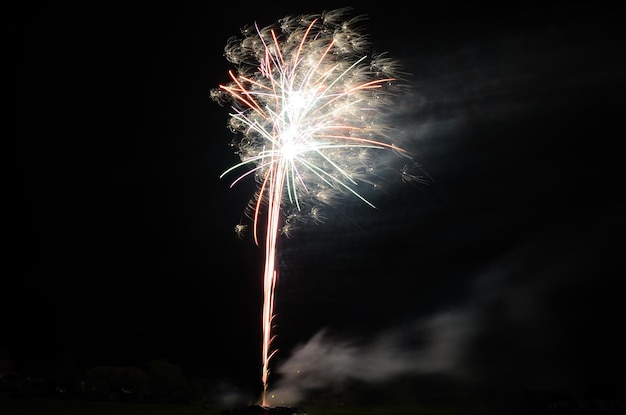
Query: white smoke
(431, 346)
(519, 327)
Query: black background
(119, 239)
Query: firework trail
(308, 113)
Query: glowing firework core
(309, 111)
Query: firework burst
(309, 105)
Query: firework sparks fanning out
(309, 107)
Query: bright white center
(289, 144)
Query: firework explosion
(308, 113)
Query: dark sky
(504, 269)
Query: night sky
(504, 269)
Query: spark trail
(308, 112)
